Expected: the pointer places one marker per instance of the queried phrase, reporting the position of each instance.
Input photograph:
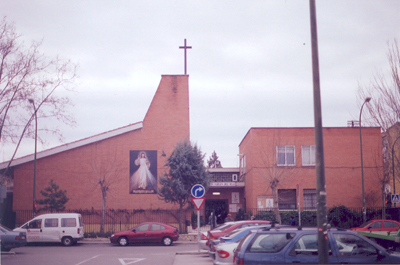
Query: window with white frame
(285, 155)
(310, 198)
(308, 155)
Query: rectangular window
(285, 155)
(242, 166)
(310, 199)
(68, 222)
(36, 224)
(308, 155)
(157, 227)
(287, 199)
(307, 246)
(51, 222)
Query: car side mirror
(369, 227)
(134, 230)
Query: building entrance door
(220, 207)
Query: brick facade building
(288, 154)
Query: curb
(7, 253)
(202, 252)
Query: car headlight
(112, 235)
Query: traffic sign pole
(198, 229)
(198, 192)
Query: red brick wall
(166, 123)
(342, 163)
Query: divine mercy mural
(143, 172)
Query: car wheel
(167, 241)
(123, 241)
(67, 241)
(4, 249)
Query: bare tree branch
(107, 171)
(25, 74)
(384, 108)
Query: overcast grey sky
(250, 65)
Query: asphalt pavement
(192, 258)
(181, 258)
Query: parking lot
(102, 253)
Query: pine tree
(186, 168)
(213, 162)
(55, 199)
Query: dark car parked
(147, 232)
(11, 239)
(291, 245)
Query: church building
(120, 158)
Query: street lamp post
(34, 160)
(394, 183)
(362, 165)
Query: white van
(66, 228)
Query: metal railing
(115, 220)
(337, 216)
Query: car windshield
(243, 241)
(4, 229)
(238, 231)
(234, 233)
(223, 227)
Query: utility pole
(323, 255)
(34, 205)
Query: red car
(378, 225)
(222, 230)
(147, 232)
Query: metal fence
(123, 219)
(115, 220)
(337, 216)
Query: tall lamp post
(362, 165)
(394, 183)
(34, 160)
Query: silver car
(10, 239)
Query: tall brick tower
(167, 119)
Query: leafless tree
(28, 76)
(107, 171)
(271, 172)
(384, 108)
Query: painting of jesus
(143, 172)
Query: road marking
(88, 259)
(129, 261)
